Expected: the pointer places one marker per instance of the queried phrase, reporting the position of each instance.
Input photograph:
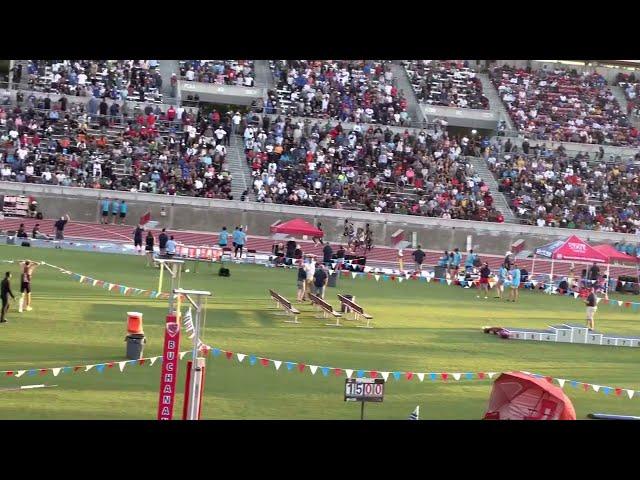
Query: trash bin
(135, 346)
(333, 280)
(343, 307)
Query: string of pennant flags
(325, 371)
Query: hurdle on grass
(194, 387)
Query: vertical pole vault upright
(195, 379)
(174, 268)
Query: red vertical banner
(169, 378)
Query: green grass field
(419, 327)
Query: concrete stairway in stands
(499, 201)
(240, 171)
(402, 83)
(495, 102)
(264, 78)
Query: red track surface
(379, 256)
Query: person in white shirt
(220, 134)
(190, 75)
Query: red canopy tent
(614, 256)
(518, 396)
(573, 249)
(297, 226)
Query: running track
(378, 257)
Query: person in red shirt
(171, 114)
(151, 120)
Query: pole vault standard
(195, 377)
(174, 268)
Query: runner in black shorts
(25, 285)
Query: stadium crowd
(347, 90)
(631, 87)
(550, 188)
(563, 105)
(448, 83)
(222, 72)
(151, 150)
(371, 169)
(138, 80)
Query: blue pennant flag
(252, 360)
(325, 371)
(360, 373)
(132, 362)
(433, 376)
(215, 352)
(423, 279)
(606, 390)
(442, 280)
(31, 372)
(66, 370)
(75, 275)
(396, 375)
(106, 285)
(469, 375)
(290, 365)
(100, 367)
(153, 293)
(634, 306)
(574, 384)
(122, 289)
(385, 277)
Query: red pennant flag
(75, 369)
(627, 304)
(393, 278)
(409, 375)
(337, 371)
(369, 275)
(585, 386)
(605, 301)
(445, 376)
(301, 367)
(264, 361)
(141, 361)
(110, 365)
(373, 374)
(549, 379)
(229, 355)
(480, 374)
(43, 371)
(618, 391)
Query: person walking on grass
(149, 241)
(320, 280)
(592, 305)
(502, 278)
(514, 275)
(418, 258)
(59, 228)
(25, 285)
(5, 292)
(239, 239)
(302, 282)
(485, 273)
(137, 239)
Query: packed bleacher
(563, 105)
(631, 86)
(222, 72)
(60, 142)
(367, 168)
(550, 188)
(446, 83)
(136, 80)
(346, 90)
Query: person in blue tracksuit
(515, 282)
(239, 238)
(105, 210)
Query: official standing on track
(5, 291)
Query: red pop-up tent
(297, 226)
(518, 396)
(614, 256)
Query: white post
(469, 242)
(195, 388)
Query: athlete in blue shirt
(515, 283)
(502, 280)
(471, 258)
(105, 210)
(123, 212)
(223, 237)
(239, 238)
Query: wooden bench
(326, 309)
(357, 310)
(285, 304)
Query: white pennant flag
(188, 323)
(19, 373)
(56, 371)
(95, 282)
(377, 277)
(576, 294)
(313, 369)
(88, 367)
(561, 382)
(420, 376)
(349, 373)
(429, 279)
(121, 365)
(240, 356)
(623, 282)
(400, 279)
(152, 360)
(385, 375)
(491, 374)
(596, 387)
(277, 363)
(534, 282)
(448, 281)
(620, 302)
(598, 300)
(457, 376)
(630, 393)
(354, 274)
(182, 354)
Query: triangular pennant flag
(480, 375)
(182, 354)
(397, 375)
(456, 376)
(229, 355)
(313, 369)
(56, 371)
(448, 281)
(469, 376)
(88, 367)
(576, 294)
(491, 374)
(409, 375)
(354, 274)
(373, 373)
(152, 360)
(121, 365)
(433, 376)
(290, 365)
(444, 376)
(277, 364)
(606, 390)
(349, 372)
(337, 371)
(561, 382)
(325, 371)
(360, 373)
(399, 279)
(264, 362)
(215, 352)
(122, 287)
(95, 282)
(377, 277)
(618, 392)
(100, 368)
(252, 360)
(420, 376)
(428, 279)
(623, 282)
(141, 361)
(301, 367)
(630, 393)
(595, 387)
(240, 356)
(81, 278)
(19, 373)
(574, 384)
(385, 375)
(620, 302)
